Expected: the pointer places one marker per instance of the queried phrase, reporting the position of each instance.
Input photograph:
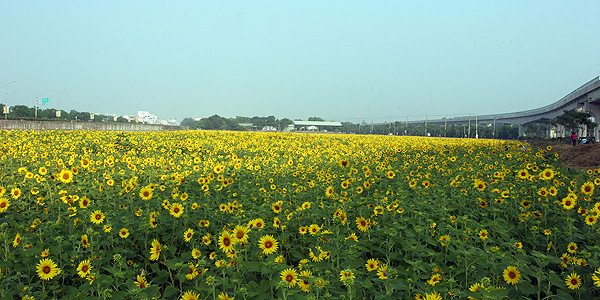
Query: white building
(146, 117)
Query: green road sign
(45, 101)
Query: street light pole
(36, 105)
(6, 88)
(59, 97)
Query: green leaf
(170, 291)
(527, 288)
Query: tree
(189, 122)
(316, 119)
(22, 111)
(574, 120)
(283, 123)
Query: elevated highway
(586, 98)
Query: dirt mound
(581, 157)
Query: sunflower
(412, 183)
(476, 287)
(4, 204)
(240, 234)
(97, 217)
(547, 174)
(155, 250)
(568, 203)
(276, 207)
(483, 234)
(17, 240)
(65, 176)
(176, 210)
(303, 230)
(346, 274)
(511, 275)
(84, 268)
(224, 296)
(329, 191)
(573, 281)
(352, 237)
(390, 174)
(303, 283)
(572, 248)
(591, 220)
(84, 241)
(268, 244)
(588, 188)
(124, 233)
(192, 272)
(42, 171)
(258, 223)
(443, 240)
(84, 202)
(595, 277)
(196, 253)
(226, 242)
(189, 295)
(372, 264)
(187, 235)
(290, 276)
(146, 193)
(141, 282)
(45, 253)
(47, 269)
(15, 192)
(313, 229)
(206, 239)
(433, 296)
(382, 271)
(362, 224)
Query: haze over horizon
(336, 60)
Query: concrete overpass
(586, 98)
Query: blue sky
(296, 59)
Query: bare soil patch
(581, 157)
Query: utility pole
(476, 127)
(445, 124)
(425, 133)
(36, 105)
(469, 136)
(358, 124)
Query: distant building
(249, 126)
(129, 118)
(146, 117)
(269, 128)
(315, 125)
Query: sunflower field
(224, 215)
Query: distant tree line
(216, 122)
(23, 112)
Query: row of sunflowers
(224, 215)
